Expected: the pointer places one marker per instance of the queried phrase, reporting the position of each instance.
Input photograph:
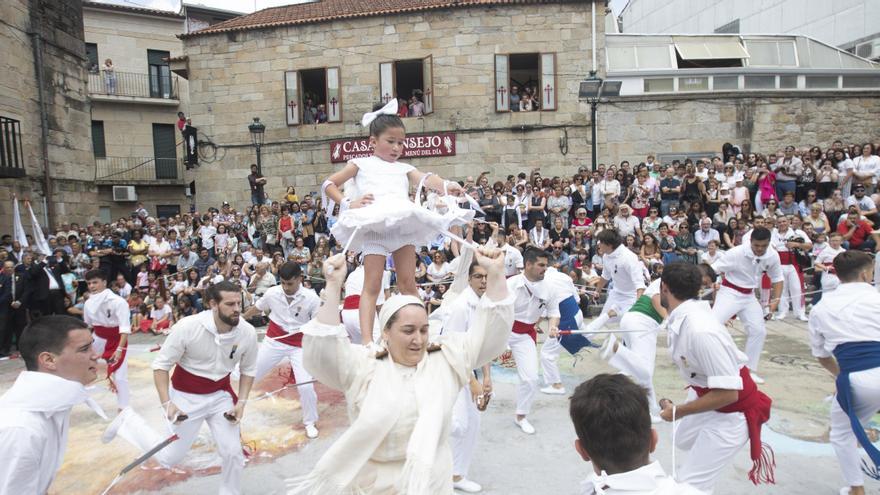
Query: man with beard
(203, 349)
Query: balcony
(146, 171)
(131, 87)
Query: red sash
(351, 302)
(185, 381)
(755, 405)
(525, 329)
(274, 331)
(735, 287)
(787, 258)
(111, 335)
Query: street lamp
(592, 89)
(258, 132)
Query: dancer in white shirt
(785, 241)
(35, 413)
(354, 285)
(845, 338)
(290, 306)
(825, 262)
(610, 416)
(561, 286)
(623, 269)
(741, 269)
(203, 349)
(533, 301)
(465, 415)
(724, 408)
(110, 319)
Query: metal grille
(11, 154)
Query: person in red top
(857, 232)
(181, 121)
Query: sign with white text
(415, 146)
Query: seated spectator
(559, 258)
(539, 236)
(788, 206)
(261, 280)
(626, 223)
(161, 317)
(613, 425)
(856, 233)
(712, 253)
(706, 234)
(439, 269)
(651, 223)
(864, 203)
(560, 234)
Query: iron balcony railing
(145, 170)
(116, 83)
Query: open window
(525, 82)
(411, 82)
(698, 52)
(312, 96)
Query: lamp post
(592, 89)
(258, 132)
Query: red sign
(416, 146)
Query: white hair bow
(390, 108)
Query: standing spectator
(256, 182)
(787, 169)
(267, 228)
(845, 172)
(109, 77)
(514, 99)
(416, 107)
(559, 205)
(670, 188)
(866, 167)
(402, 108)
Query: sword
(140, 460)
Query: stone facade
(60, 40)
(236, 76)
(633, 127)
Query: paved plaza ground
(507, 461)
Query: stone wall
(633, 127)
(237, 76)
(70, 148)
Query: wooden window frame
(299, 90)
(540, 55)
(428, 91)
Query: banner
(415, 146)
(17, 228)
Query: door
(164, 151)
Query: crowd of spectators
(689, 210)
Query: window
(525, 77)
(92, 56)
(771, 53)
(724, 83)
(788, 82)
(160, 74)
(165, 151)
(696, 52)
(639, 57)
(861, 81)
(410, 80)
(693, 83)
(98, 144)
(312, 96)
(759, 82)
(821, 82)
(167, 211)
(662, 85)
(11, 155)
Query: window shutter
(428, 80)
(291, 92)
(502, 78)
(386, 82)
(334, 99)
(548, 81)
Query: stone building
(460, 59)
(138, 149)
(44, 113)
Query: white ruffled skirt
(390, 223)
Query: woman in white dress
(400, 398)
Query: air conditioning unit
(124, 193)
(869, 49)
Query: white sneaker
(311, 431)
(525, 426)
(113, 429)
(778, 317)
(757, 379)
(551, 390)
(608, 349)
(845, 491)
(803, 318)
(467, 486)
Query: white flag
(17, 228)
(40, 244)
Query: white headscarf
(393, 304)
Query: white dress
(392, 220)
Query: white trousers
(791, 292)
(352, 322)
(620, 302)
(729, 302)
(552, 347)
(636, 356)
(465, 432)
(712, 439)
(120, 376)
(199, 408)
(865, 389)
(273, 352)
(525, 354)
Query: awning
(709, 47)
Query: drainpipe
(593, 33)
(44, 130)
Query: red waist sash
(185, 381)
(351, 302)
(742, 290)
(111, 335)
(525, 329)
(274, 331)
(755, 405)
(787, 258)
